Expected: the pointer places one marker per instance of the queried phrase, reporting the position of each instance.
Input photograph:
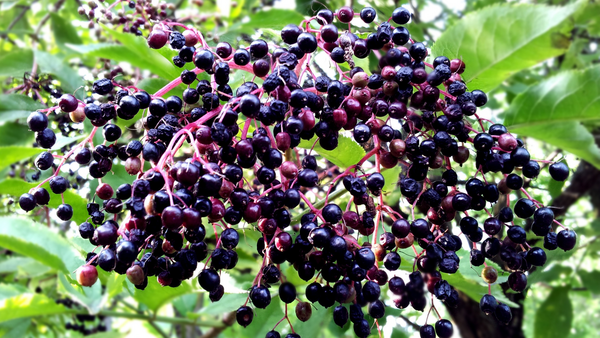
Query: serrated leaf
(16, 62)
(16, 187)
(155, 296)
(63, 30)
(552, 111)
(29, 305)
(474, 272)
(554, 317)
(500, 40)
(17, 106)
(347, 153)
(70, 80)
(13, 154)
(35, 240)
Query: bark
(472, 323)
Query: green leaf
(15, 154)
(555, 187)
(135, 50)
(548, 275)
(391, 176)
(16, 187)
(274, 19)
(554, 317)
(152, 85)
(11, 290)
(23, 266)
(15, 328)
(475, 290)
(70, 80)
(552, 111)
(265, 320)
(155, 296)
(347, 153)
(590, 280)
(500, 40)
(229, 302)
(29, 305)
(17, 106)
(15, 134)
(16, 62)
(473, 273)
(35, 240)
(318, 321)
(63, 30)
(91, 298)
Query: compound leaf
(500, 40)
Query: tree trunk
(472, 323)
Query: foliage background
(539, 62)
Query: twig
(411, 323)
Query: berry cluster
(408, 113)
(133, 16)
(83, 323)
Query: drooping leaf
(155, 296)
(13, 154)
(554, 317)
(347, 153)
(23, 266)
(29, 305)
(500, 40)
(552, 111)
(17, 106)
(35, 240)
(70, 80)
(135, 50)
(16, 62)
(590, 280)
(63, 30)
(16, 187)
(15, 134)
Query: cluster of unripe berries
(403, 114)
